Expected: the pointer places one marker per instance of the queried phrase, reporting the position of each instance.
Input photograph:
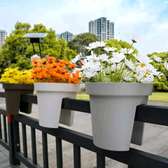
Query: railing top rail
(144, 113)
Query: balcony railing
(12, 127)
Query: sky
(146, 21)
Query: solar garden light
(36, 38)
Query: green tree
(158, 61)
(120, 44)
(82, 40)
(17, 50)
(39, 28)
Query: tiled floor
(4, 159)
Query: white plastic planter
(1, 87)
(113, 107)
(50, 97)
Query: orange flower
(50, 69)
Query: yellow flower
(16, 76)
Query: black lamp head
(35, 37)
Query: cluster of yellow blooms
(16, 76)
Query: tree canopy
(160, 62)
(82, 40)
(17, 50)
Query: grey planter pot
(67, 116)
(113, 108)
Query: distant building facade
(102, 28)
(68, 36)
(3, 35)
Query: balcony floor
(4, 159)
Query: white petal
(143, 59)
(130, 65)
(109, 49)
(35, 57)
(103, 57)
(148, 79)
(157, 59)
(117, 57)
(166, 65)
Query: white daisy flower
(96, 44)
(113, 67)
(143, 59)
(130, 65)
(152, 70)
(148, 79)
(104, 57)
(141, 70)
(117, 57)
(109, 49)
(90, 69)
(77, 58)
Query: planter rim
(10, 86)
(58, 87)
(119, 89)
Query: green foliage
(158, 60)
(17, 50)
(82, 40)
(115, 77)
(120, 44)
(39, 28)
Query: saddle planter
(49, 96)
(113, 107)
(13, 94)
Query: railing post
(14, 143)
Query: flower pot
(113, 107)
(1, 87)
(67, 116)
(13, 94)
(50, 97)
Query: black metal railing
(12, 140)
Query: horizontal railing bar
(71, 104)
(151, 160)
(86, 142)
(77, 105)
(144, 113)
(152, 114)
(26, 161)
(4, 144)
